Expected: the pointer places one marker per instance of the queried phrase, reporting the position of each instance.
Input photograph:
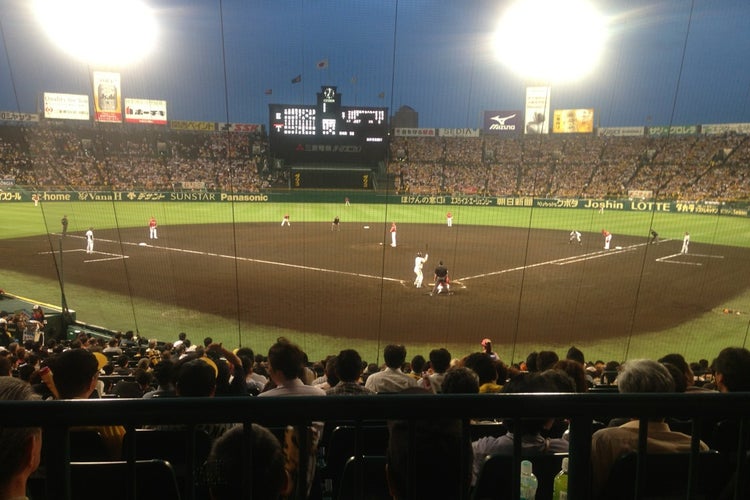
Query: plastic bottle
(560, 491)
(529, 482)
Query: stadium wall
(737, 209)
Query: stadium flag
(381, 95)
(268, 91)
(322, 64)
(297, 79)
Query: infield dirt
(516, 283)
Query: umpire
(441, 277)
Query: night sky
(666, 62)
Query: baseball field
(232, 272)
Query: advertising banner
(145, 111)
(724, 128)
(415, 132)
(66, 106)
(192, 125)
(621, 131)
(107, 92)
(12, 116)
(458, 132)
(673, 130)
(537, 110)
(502, 122)
(573, 121)
(241, 127)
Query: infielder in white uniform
(418, 263)
(90, 240)
(393, 234)
(575, 236)
(685, 242)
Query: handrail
(301, 409)
(580, 409)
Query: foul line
(243, 259)
(559, 262)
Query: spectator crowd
(126, 366)
(53, 155)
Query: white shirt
(419, 262)
(293, 388)
(390, 380)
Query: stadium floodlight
(551, 41)
(112, 33)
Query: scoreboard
(328, 132)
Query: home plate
(365, 227)
(142, 244)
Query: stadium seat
(364, 478)
(495, 480)
(172, 446)
(666, 475)
(345, 442)
(154, 480)
(85, 445)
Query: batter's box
(94, 255)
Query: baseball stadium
(224, 265)
(517, 230)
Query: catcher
(442, 281)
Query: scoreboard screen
(328, 132)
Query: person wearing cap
(487, 347)
(90, 240)
(152, 231)
(37, 314)
(419, 261)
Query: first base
(618, 248)
(142, 244)
(365, 227)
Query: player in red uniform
(152, 228)
(607, 238)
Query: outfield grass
(701, 338)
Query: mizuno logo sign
(501, 119)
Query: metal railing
(580, 409)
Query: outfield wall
(738, 209)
